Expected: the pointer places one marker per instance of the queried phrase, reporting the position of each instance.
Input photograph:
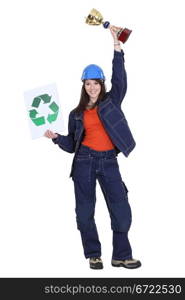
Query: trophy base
(124, 34)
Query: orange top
(95, 135)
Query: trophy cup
(95, 18)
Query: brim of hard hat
(93, 79)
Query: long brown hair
(84, 98)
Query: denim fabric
(90, 166)
(110, 114)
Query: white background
(44, 41)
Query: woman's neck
(91, 105)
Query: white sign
(43, 110)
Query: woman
(98, 131)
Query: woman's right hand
(51, 135)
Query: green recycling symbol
(41, 120)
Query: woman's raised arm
(119, 76)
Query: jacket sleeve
(67, 142)
(119, 78)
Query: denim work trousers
(90, 165)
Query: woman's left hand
(114, 30)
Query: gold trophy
(95, 18)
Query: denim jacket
(110, 113)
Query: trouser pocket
(82, 167)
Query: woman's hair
(84, 98)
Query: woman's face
(93, 89)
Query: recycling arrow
(41, 120)
(52, 117)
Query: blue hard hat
(92, 72)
